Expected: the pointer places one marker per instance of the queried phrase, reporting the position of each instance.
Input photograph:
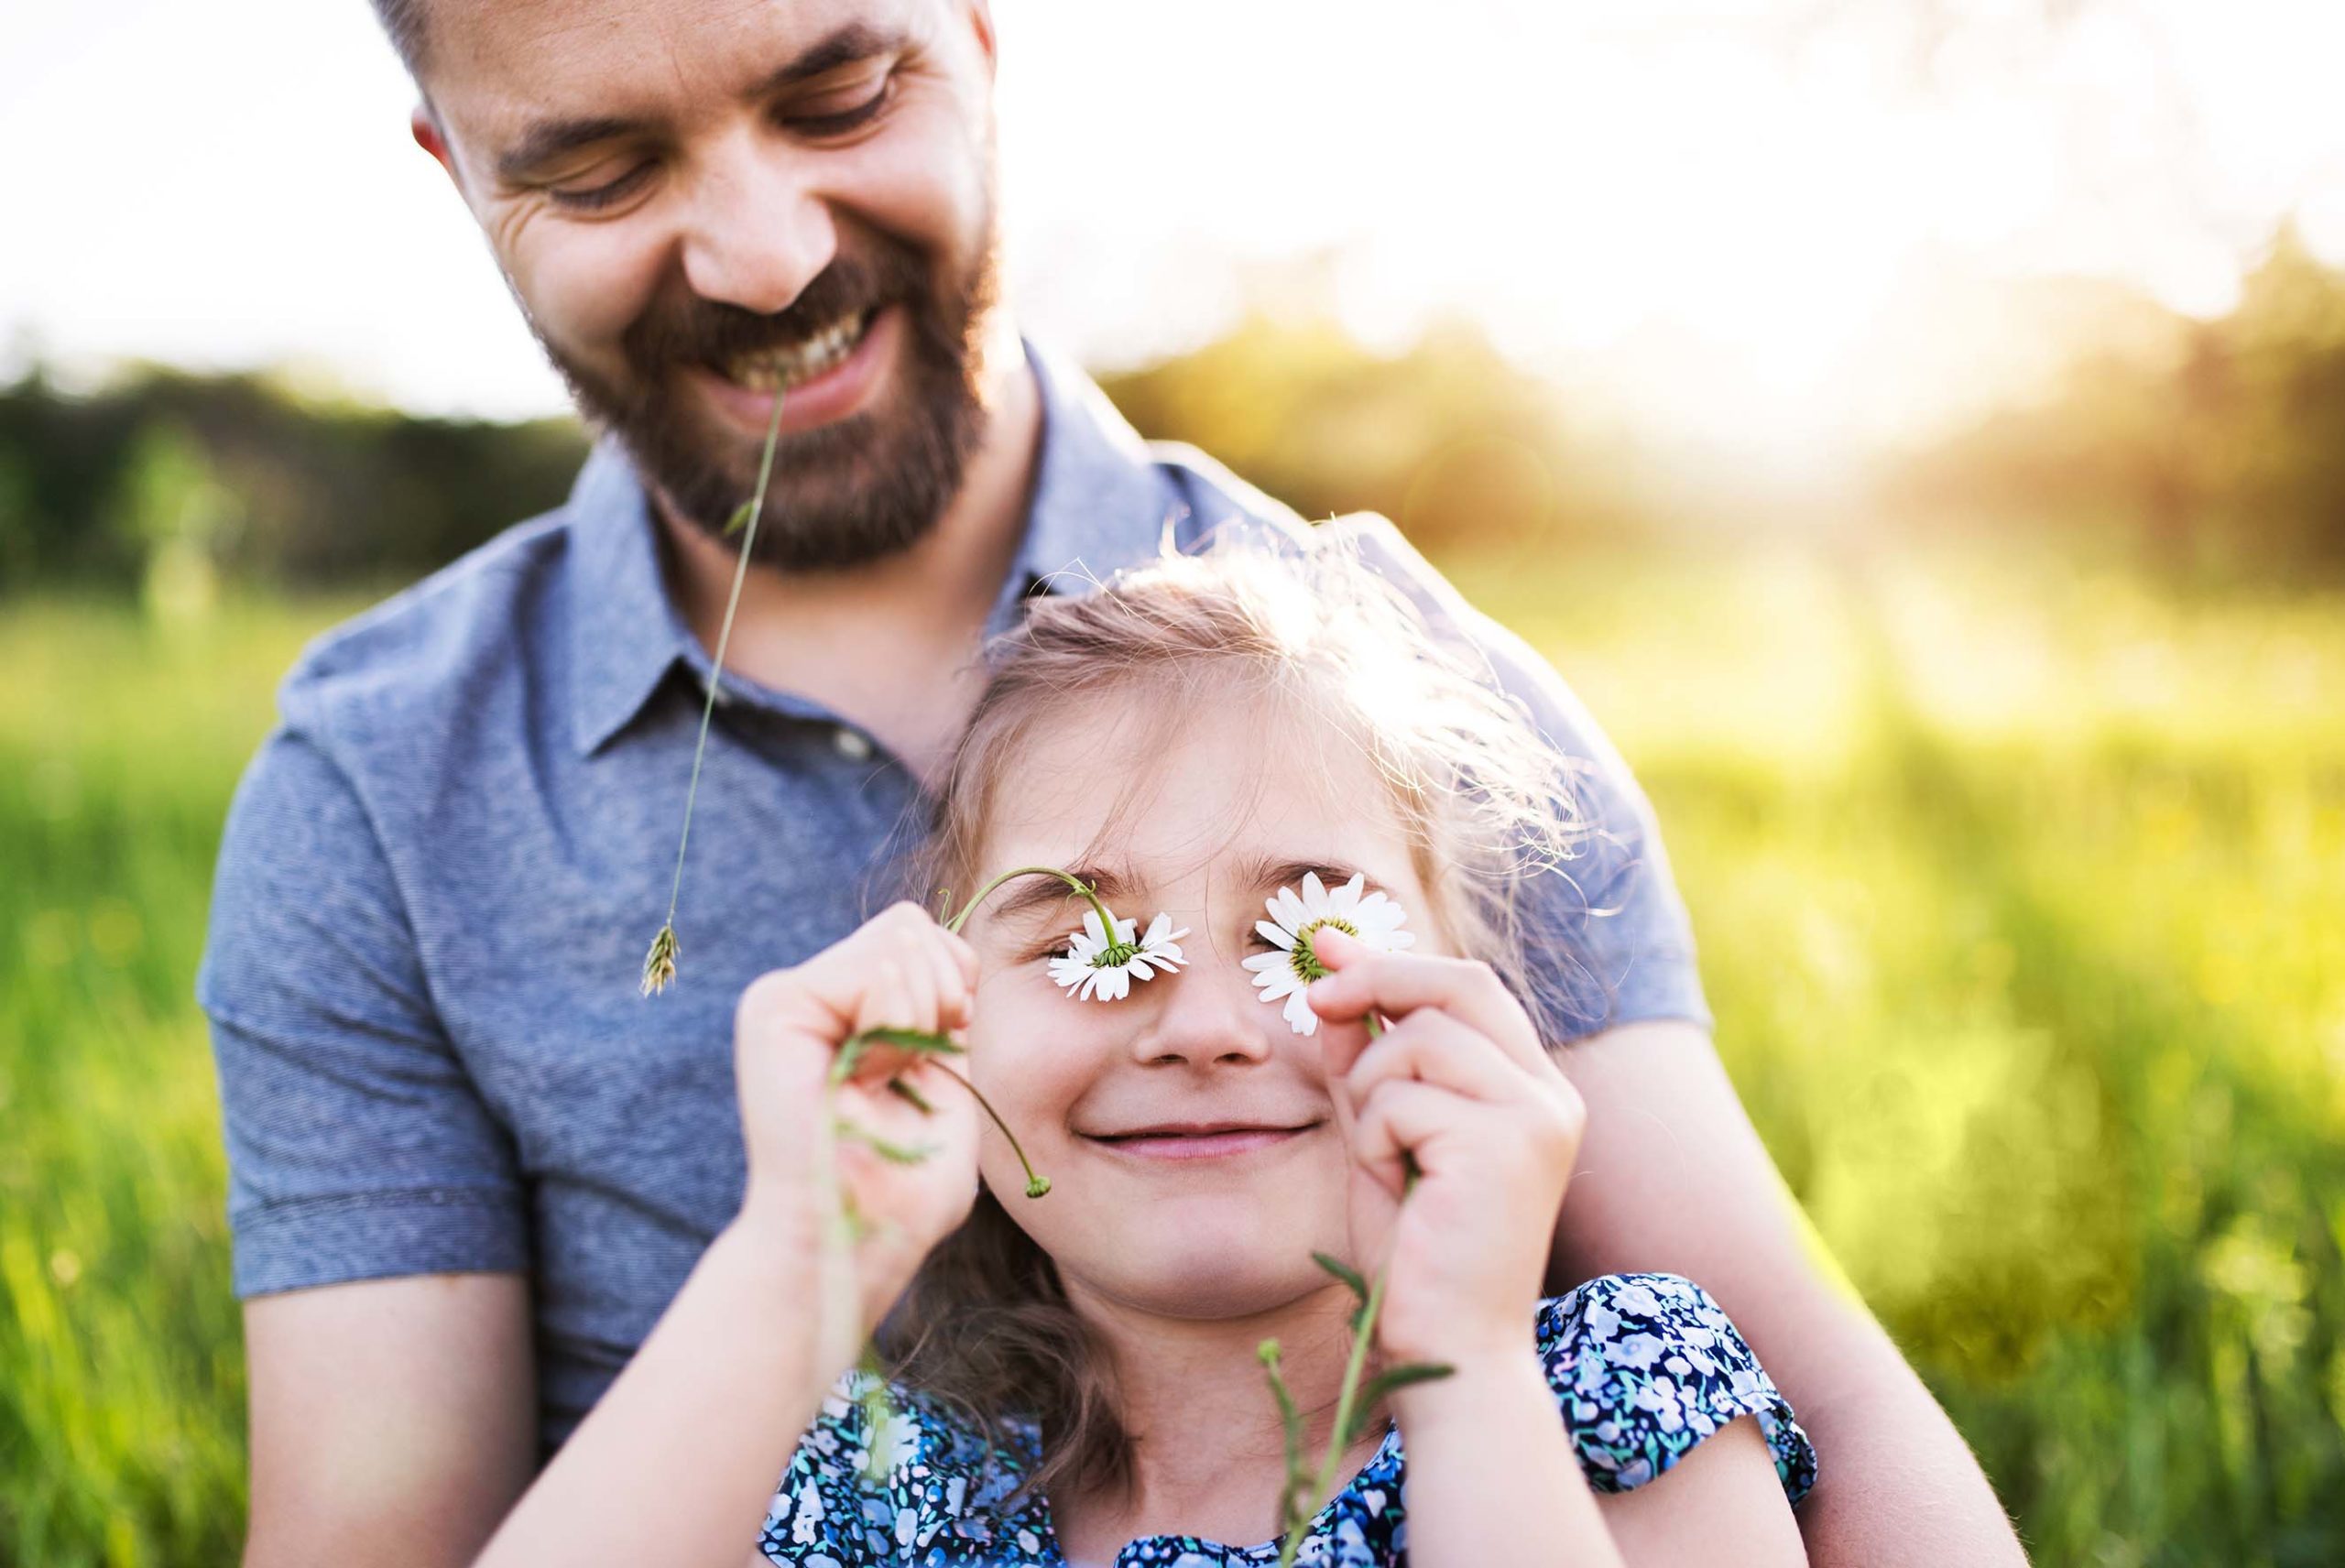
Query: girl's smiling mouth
(1178, 1141)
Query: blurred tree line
(162, 473)
(2214, 446)
(165, 472)
(2206, 448)
(1448, 438)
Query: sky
(1785, 225)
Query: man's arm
(393, 1422)
(1672, 1177)
(380, 1224)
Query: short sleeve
(937, 1493)
(1646, 1365)
(1612, 941)
(358, 1146)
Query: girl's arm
(1493, 1479)
(1465, 1133)
(678, 1462)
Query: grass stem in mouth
(660, 962)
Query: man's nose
(759, 231)
(1205, 1014)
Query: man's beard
(844, 494)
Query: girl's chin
(1211, 1278)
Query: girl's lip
(1217, 1141)
(844, 388)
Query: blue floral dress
(1643, 1366)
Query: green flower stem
(1347, 1398)
(1036, 1185)
(660, 963)
(1090, 896)
(936, 1048)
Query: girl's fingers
(1401, 1119)
(869, 1103)
(900, 993)
(1433, 1047)
(952, 980)
(1341, 1043)
(965, 956)
(1394, 984)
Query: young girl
(1076, 1377)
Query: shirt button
(852, 743)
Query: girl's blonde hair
(1244, 631)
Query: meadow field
(2022, 896)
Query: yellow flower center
(1305, 961)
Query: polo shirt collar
(1099, 503)
(626, 632)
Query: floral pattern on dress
(1643, 1366)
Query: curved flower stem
(1107, 921)
(1036, 1185)
(660, 963)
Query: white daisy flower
(1372, 918)
(1094, 966)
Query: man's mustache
(694, 331)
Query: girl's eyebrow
(1265, 872)
(1030, 895)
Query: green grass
(2022, 896)
(121, 1378)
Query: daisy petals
(1299, 1016)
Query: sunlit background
(1786, 227)
(1916, 427)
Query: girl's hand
(900, 970)
(1459, 1084)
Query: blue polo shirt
(442, 869)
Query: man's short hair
(403, 20)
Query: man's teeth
(776, 369)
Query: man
(469, 1165)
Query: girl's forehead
(1163, 795)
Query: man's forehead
(498, 64)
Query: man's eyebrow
(546, 140)
(848, 45)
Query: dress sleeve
(936, 1493)
(1646, 1365)
(816, 1519)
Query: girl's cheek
(1016, 1044)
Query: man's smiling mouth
(779, 368)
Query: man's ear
(981, 23)
(424, 127)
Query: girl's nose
(1205, 1014)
